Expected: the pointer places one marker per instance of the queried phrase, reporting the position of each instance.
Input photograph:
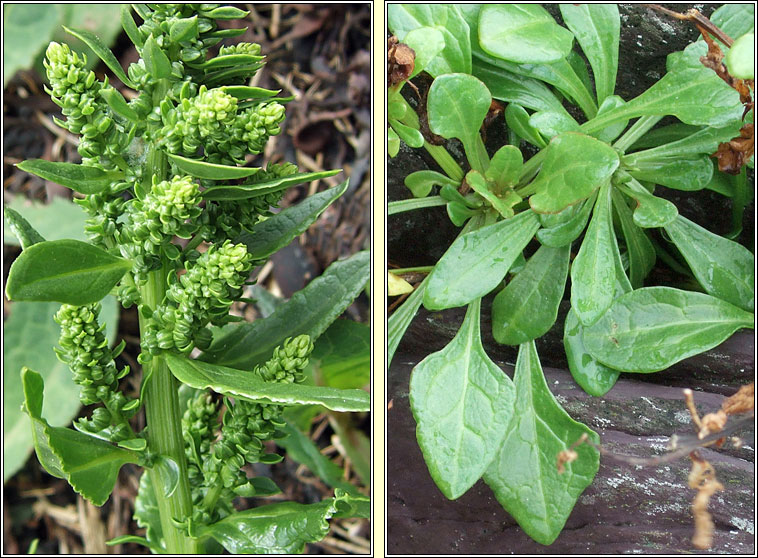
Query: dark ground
(321, 55)
(627, 509)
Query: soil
(627, 509)
(320, 54)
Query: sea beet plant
(177, 222)
(584, 206)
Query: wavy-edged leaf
(211, 171)
(477, 261)
(310, 311)
(277, 231)
(593, 272)
(25, 233)
(640, 249)
(66, 271)
(597, 28)
(724, 268)
(524, 475)
(650, 329)
(563, 228)
(528, 306)
(103, 52)
(522, 33)
(85, 180)
(245, 384)
(90, 464)
(575, 165)
(462, 403)
(255, 189)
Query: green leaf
(147, 514)
(342, 355)
(694, 142)
(518, 120)
(59, 219)
(724, 268)
(184, 29)
(564, 227)
(211, 171)
(504, 206)
(528, 306)
(575, 165)
(597, 28)
(683, 173)
(734, 19)
(66, 271)
(301, 449)
(457, 105)
(393, 143)
(505, 166)
(740, 60)
(26, 234)
(103, 52)
(410, 136)
(420, 183)
(427, 43)
(355, 445)
(593, 272)
(156, 62)
(30, 326)
(245, 384)
(281, 528)
(277, 231)
(524, 475)
(352, 504)
(118, 104)
(255, 189)
(310, 311)
(552, 123)
(27, 30)
(522, 33)
(477, 261)
(640, 249)
(462, 403)
(401, 318)
(130, 27)
(85, 180)
(613, 131)
(651, 211)
(650, 329)
(593, 377)
(244, 92)
(456, 56)
(89, 464)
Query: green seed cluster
(84, 348)
(246, 426)
(253, 49)
(77, 91)
(201, 296)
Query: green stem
(418, 269)
(641, 127)
(409, 205)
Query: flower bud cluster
(77, 91)
(253, 49)
(200, 296)
(84, 348)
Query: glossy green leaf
(66, 271)
(401, 318)
(550, 123)
(301, 449)
(25, 233)
(244, 384)
(456, 56)
(420, 183)
(524, 476)
(650, 329)
(410, 136)
(504, 205)
(457, 105)
(156, 62)
(310, 311)
(56, 220)
(103, 52)
(30, 326)
(342, 356)
(505, 166)
(612, 131)
(231, 60)
(281, 528)
(459, 213)
(393, 143)
(694, 142)
(427, 43)
(593, 272)
(575, 166)
(130, 27)
(740, 60)
(651, 211)
(522, 33)
(593, 377)
(724, 268)
(640, 249)
(89, 464)
(597, 29)
(683, 173)
(462, 403)
(211, 171)
(518, 120)
(734, 19)
(563, 228)
(352, 504)
(477, 261)
(118, 104)
(277, 231)
(85, 180)
(244, 92)
(528, 306)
